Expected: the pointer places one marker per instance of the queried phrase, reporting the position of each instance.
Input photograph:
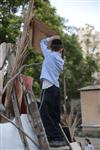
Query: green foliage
(34, 71)
(46, 13)
(9, 22)
(9, 29)
(78, 70)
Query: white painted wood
(3, 54)
(60, 148)
(9, 136)
(75, 146)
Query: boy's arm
(44, 44)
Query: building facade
(90, 108)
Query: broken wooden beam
(18, 120)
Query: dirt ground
(94, 141)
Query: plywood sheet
(39, 31)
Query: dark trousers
(50, 112)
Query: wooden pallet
(60, 148)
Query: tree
(9, 21)
(78, 70)
(46, 13)
(88, 40)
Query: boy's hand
(55, 37)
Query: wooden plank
(18, 120)
(3, 54)
(75, 146)
(33, 112)
(10, 67)
(36, 121)
(60, 148)
(65, 137)
(40, 31)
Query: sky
(79, 12)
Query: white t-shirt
(89, 147)
(46, 84)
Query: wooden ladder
(34, 116)
(36, 122)
(18, 120)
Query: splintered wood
(4, 52)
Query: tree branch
(17, 74)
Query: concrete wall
(90, 107)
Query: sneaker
(57, 143)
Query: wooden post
(65, 137)
(18, 120)
(65, 94)
(3, 54)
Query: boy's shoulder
(58, 59)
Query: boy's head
(56, 45)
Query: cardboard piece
(39, 31)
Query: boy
(50, 103)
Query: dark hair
(88, 140)
(56, 45)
